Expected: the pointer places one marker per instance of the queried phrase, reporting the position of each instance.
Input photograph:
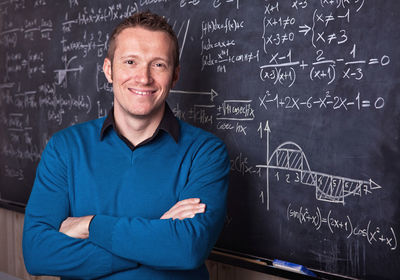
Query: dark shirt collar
(169, 124)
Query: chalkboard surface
(306, 95)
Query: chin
(142, 113)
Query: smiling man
(138, 194)
(142, 71)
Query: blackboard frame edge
(10, 205)
(265, 266)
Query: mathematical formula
(372, 232)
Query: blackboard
(305, 94)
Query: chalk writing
(282, 69)
(289, 157)
(17, 173)
(225, 26)
(31, 153)
(372, 232)
(240, 164)
(326, 102)
(90, 15)
(240, 110)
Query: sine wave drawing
(289, 156)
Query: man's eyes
(160, 65)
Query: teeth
(142, 92)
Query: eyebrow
(153, 59)
(128, 56)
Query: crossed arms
(55, 243)
(78, 227)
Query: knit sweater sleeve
(174, 244)
(47, 251)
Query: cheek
(166, 81)
(120, 77)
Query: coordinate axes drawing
(289, 156)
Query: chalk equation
(328, 101)
(90, 15)
(283, 70)
(45, 97)
(279, 29)
(29, 30)
(372, 232)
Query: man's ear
(107, 69)
(176, 76)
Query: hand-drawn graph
(289, 156)
(61, 74)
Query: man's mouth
(141, 92)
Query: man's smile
(141, 92)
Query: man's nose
(143, 75)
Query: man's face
(142, 72)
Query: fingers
(186, 202)
(183, 209)
(188, 210)
(76, 227)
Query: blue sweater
(79, 174)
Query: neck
(136, 128)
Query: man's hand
(183, 209)
(76, 227)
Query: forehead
(144, 39)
